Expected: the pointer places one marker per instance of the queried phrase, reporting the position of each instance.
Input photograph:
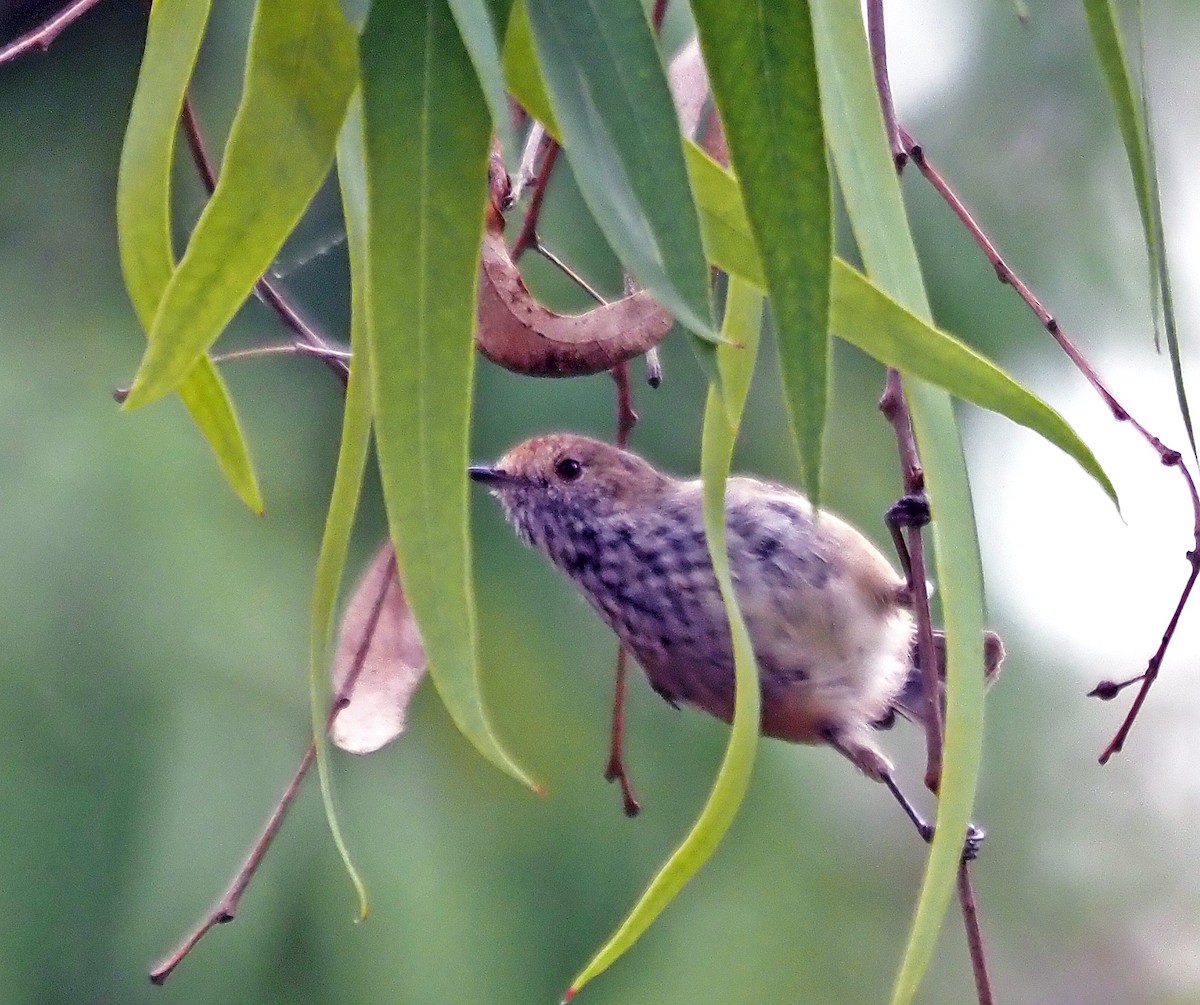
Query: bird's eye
(568, 469)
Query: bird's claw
(909, 511)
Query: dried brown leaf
(520, 334)
(379, 659)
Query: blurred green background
(154, 633)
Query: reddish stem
(226, 907)
(527, 236)
(43, 36)
(1166, 455)
(975, 946)
(877, 38)
(264, 289)
(894, 406)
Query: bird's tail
(910, 702)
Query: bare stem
(566, 270)
(527, 237)
(615, 771)
(1166, 455)
(264, 289)
(226, 908)
(43, 36)
(975, 946)
(877, 37)
(894, 406)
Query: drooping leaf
(427, 139)
(300, 72)
(611, 102)
(866, 317)
(722, 416)
(860, 313)
(872, 193)
(348, 478)
(522, 70)
(479, 35)
(763, 73)
(1133, 120)
(173, 39)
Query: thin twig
(975, 946)
(264, 289)
(534, 150)
(877, 37)
(566, 270)
(894, 406)
(527, 237)
(626, 416)
(226, 908)
(1167, 456)
(43, 36)
(615, 771)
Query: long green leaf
(1133, 120)
(300, 73)
(876, 210)
(860, 313)
(144, 219)
(865, 316)
(722, 416)
(348, 479)
(620, 133)
(479, 35)
(522, 70)
(427, 137)
(763, 73)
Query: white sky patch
(929, 43)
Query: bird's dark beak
(488, 475)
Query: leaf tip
(539, 790)
(571, 992)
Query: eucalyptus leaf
(173, 39)
(300, 72)
(427, 142)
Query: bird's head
(561, 478)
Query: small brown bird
(830, 619)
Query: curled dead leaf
(379, 660)
(520, 334)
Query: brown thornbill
(830, 619)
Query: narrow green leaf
(144, 219)
(861, 314)
(474, 20)
(522, 70)
(763, 73)
(348, 479)
(722, 416)
(1133, 120)
(427, 138)
(873, 202)
(300, 72)
(728, 242)
(610, 97)
(868, 318)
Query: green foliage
(763, 73)
(722, 417)
(793, 83)
(144, 220)
(301, 70)
(426, 142)
(610, 99)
